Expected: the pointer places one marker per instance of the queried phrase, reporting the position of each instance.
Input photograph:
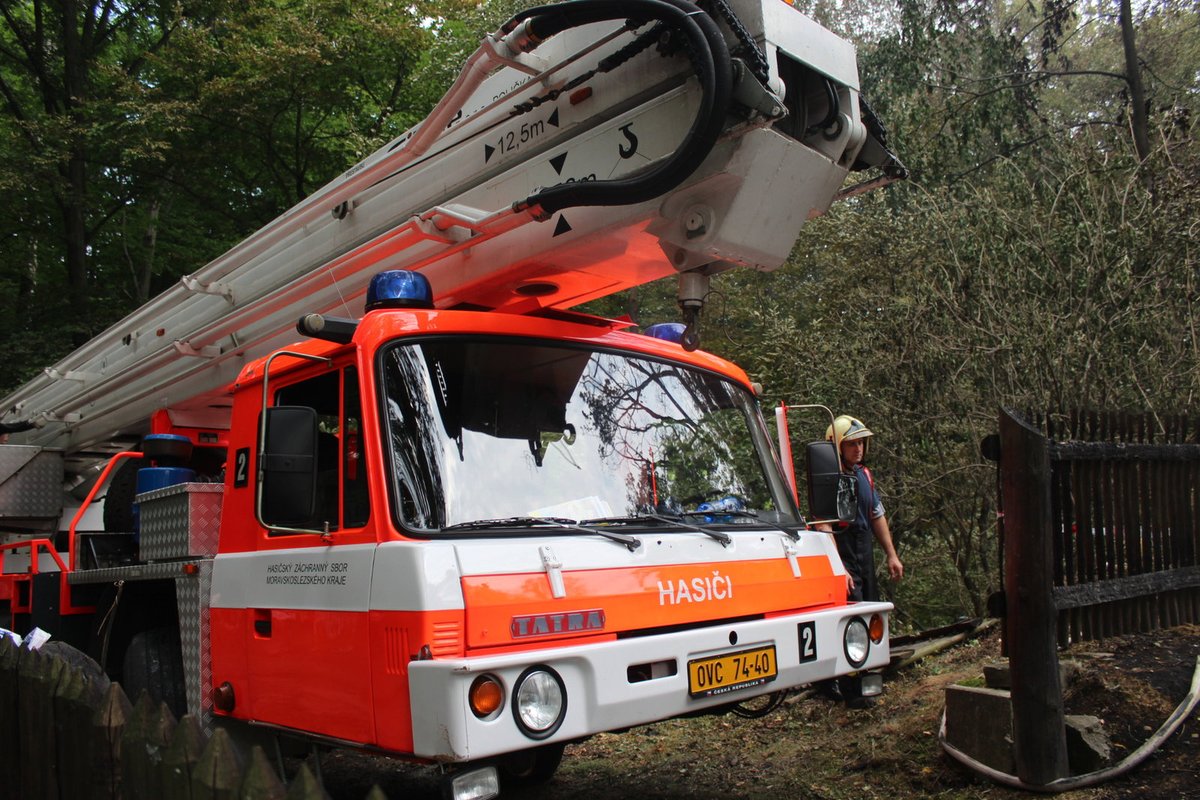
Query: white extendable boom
(456, 198)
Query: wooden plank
(179, 761)
(218, 773)
(1111, 563)
(1110, 591)
(1039, 734)
(1084, 536)
(1190, 494)
(1158, 521)
(1127, 504)
(69, 719)
(1145, 512)
(35, 726)
(1108, 451)
(135, 783)
(261, 782)
(1106, 558)
(108, 723)
(9, 729)
(305, 786)
(80, 691)
(161, 731)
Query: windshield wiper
(561, 523)
(677, 521)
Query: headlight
(857, 642)
(539, 702)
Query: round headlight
(539, 702)
(857, 642)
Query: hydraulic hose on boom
(706, 49)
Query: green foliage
(142, 140)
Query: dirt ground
(813, 748)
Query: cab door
(308, 654)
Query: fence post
(36, 727)
(218, 773)
(260, 781)
(79, 695)
(178, 762)
(305, 786)
(143, 743)
(1039, 733)
(108, 723)
(69, 713)
(9, 732)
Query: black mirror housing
(832, 494)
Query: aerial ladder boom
(586, 148)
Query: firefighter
(855, 543)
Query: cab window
(342, 499)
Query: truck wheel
(530, 767)
(154, 664)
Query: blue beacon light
(667, 331)
(399, 288)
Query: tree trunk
(1137, 93)
(74, 201)
(76, 241)
(149, 242)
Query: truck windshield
(502, 429)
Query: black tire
(118, 500)
(530, 767)
(154, 664)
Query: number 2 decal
(241, 467)
(808, 641)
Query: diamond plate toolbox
(180, 521)
(31, 482)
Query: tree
(64, 70)
(142, 139)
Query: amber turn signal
(486, 696)
(876, 628)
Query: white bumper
(600, 695)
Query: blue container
(151, 478)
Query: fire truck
(372, 480)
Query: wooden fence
(1124, 521)
(1100, 538)
(68, 733)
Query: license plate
(731, 671)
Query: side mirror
(288, 467)
(832, 495)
